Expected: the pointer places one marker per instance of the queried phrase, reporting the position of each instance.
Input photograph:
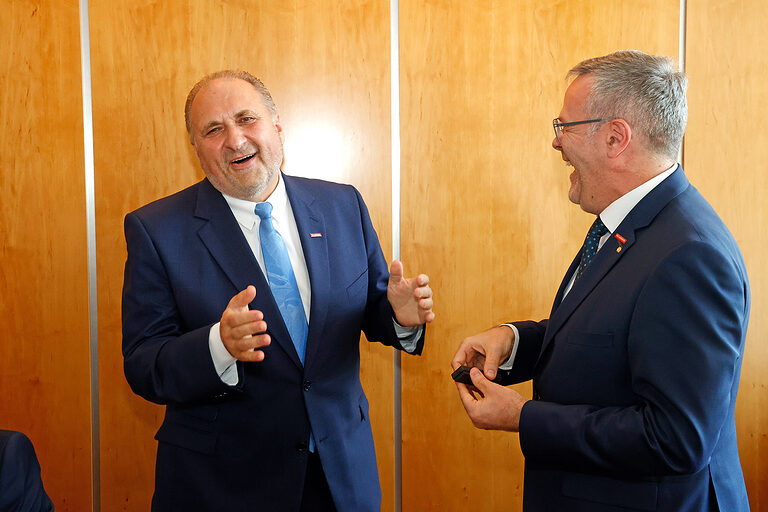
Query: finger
(459, 358)
(422, 292)
(422, 279)
(467, 399)
(246, 330)
(426, 304)
(242, 299)
(396, 270)
(262, 340)
(233, 319)
(464, 355)
(253, 343)
(251, 356)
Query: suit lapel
(311, 226)
(612, 251)
(564, 283)
(224, 240)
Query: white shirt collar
(244, 212)
(615, 213)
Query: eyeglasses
(558, 126)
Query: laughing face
(579, 149)
(238, 141)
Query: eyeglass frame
(557, 125)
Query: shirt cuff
(408, 336)
(510, 362)
(222, 359)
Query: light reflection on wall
(318, 150)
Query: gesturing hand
(411, 299)
(240, 328)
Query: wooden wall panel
(44, 354)
(485, 208)
(327, 65)
(725, 155)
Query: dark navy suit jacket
(636, 371)
(245, 447)
(21, 487)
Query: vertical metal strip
(85, 65)
(681, 59)
(394, 35)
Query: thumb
(479, 380)
(396, 270)
(242, 299)
(492, 361)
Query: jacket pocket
(192, 428)
(632, 495)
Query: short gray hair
(227, 73)
(645, 90)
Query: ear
(618, 137)
(194, 146)
(278, 127)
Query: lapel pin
(618, 249)
(315, 235)
(620, 238)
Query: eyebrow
(238, 115)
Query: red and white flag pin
(315, 235)
(621, 240)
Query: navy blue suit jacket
(636, 371)
(245, 447)
(21, 487)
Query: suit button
(307, 385)
(302, 447)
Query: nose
(556, 144)
(235, 137)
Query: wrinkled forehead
(224, 98)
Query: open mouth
(243, 159)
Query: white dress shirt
(612, 217)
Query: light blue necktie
(282, 280)
(591, 243)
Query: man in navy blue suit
(243, 303)
(635, 372)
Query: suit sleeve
(162, 363)
(378, 319)
(528, 350)
(684, 347)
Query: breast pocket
(358, 290)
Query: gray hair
(645, 90)
(228, 73)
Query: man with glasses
(635, 373)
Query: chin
(574, 193)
